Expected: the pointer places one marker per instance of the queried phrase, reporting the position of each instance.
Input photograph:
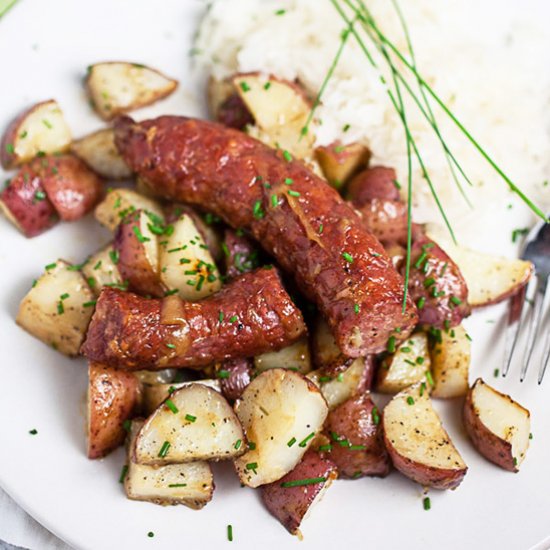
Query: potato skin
(352, 421)
(224, 170)
(113, 397)
(127, 331)
(377, 182)
(386, 220)
(71, 186)
(290, 504)
(240, 375)
(234, 113)
(437, 311)
(33, 216)
(492, 447)
(133, 263)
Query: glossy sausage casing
(295, 215)
(251, 315)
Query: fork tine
(546, 349)
(515, 314)
(533, 328)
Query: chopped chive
(289, 181)
(430, 281)
(287, 156)
(274, 201)
(496, 373)
(34, 432)
(390, 348)
(257, 211)
(405, 349)
(422, 388)
(410, 400)
(172, 406)
(238, 443)
(123, 473)
(267, 85)
(421, 259)
(321, 227)
(420, 360)
(190, 418)
(140, 237)
(325, 448)
(252, 466)
(304, 442)
(150, 534)
(303, 482)
(10, 148)
(517, 233)
(456, 301)
(340, 377)
(346, 127)
(244, 87)
(164, 449)
(233, 319)
(175, 485)
(220, 317)
(60, 308)
(127, 425)
(291, 442)
(223, 374)
(429, 378)
(348, 257)
(47, 123)
(50, 266)
(375, 416)
(280, 12)
(230, 533)
(91, 303)
(426, 503)
(40, 195)
(293, 193)
(64, 296)
(530, 436)
(114, 255)
(171, 292)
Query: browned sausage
(295, 215)
(249, 316)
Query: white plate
(46, 47)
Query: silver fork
(537, 251)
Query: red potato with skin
(25, 204)
(341, 162)
(240, 254)
(357, 446)
(114, 396)
(377, 182)
(386, 220)
(249, 316)
(437, 285)
(310, 230)
(41, 129)
(291, 504)
(138, 255)
(234, 113)
(237, 374)
(71, 186)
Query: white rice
(488, 65)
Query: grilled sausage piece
(293, 214)
(251, 315)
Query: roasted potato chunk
(408, 365)
(498, 426)
(101, 269)
(357, 448)
(186, 265)
(39, 130)
(291, 498)
(99, 152)
(190, 484)
(194, 423)
(417, 443)
(341, 162)
(281, 412)
(295, 357)
(114, 397)
(118, 203)
(58, 308)
(119, 87)
(450, 354)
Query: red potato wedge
(450, 354)
(280, 109)
(437, 286)
(387, 220)
(234, 376)
(354, 380)
(357, 447)
(226, 106)
(119, 87)
(292, 497)
(195, 423)
(114, 397)
(498, 426)
(408, 365)
(155, 394)
(58, 308)
(39, 130)
(325, 352)
(118, 203)
(138, 254)
(377, 182)
(417, 443)
(278, 407)
(340, 162)
(490, 279)
(190, 484)
(99, 152)
(101, 269)
(186, 265)
(295, 357)
(25, 204)
(71, 186)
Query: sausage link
(293, 214)
(249, 316)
